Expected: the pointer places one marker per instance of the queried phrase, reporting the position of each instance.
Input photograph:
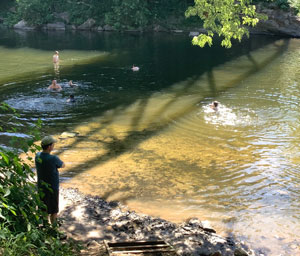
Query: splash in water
(225, 116)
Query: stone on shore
(108, 28)
(55, 26)
(23, 25)
(91, 219)
(194, 33)
(279, 22)
(89, 24)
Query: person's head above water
(71, 98)
(55, 86)
(215, 104)
(71, 83)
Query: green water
(149, 138)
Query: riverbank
(92, 220)
(270, 22)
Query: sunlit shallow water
(150, 139)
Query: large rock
(159, 28)
(23, 25)
(89, 24)
(108, 28)
(71, 27)
(99, 28)
(279, 22)
(56, 26)
(194, 33)
(177, 31)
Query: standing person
(56, 60)
(56, 57)
(48, 176)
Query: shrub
(128, 14)
(23, 226)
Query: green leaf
(5, 158)
(7, 192)
(28, 227)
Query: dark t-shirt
(46, 166)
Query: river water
(149, 138)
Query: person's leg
(53, 206)
(53, 218)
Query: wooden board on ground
(126, 248)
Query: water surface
(149, 138)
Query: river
(149, 138)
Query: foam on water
(226, 116)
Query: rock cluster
(280, 22)
(98, 220)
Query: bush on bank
(121, 14)
(117, 13)
(23, 226)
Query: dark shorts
(51, 200)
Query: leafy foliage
(35, 12)
(128, 14)
(294, 4)
(227, 18)
(23, 226)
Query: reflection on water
(149, 139)
(27, 63)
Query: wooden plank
(144, 247)
(141, 251)
(135, 247)
(118, 244)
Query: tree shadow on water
(116, 146)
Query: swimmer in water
(55, 86)
(71, 83)
(215, 105)
(71, 98)
(135, 68)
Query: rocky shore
(92, 220)
(282, 22)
